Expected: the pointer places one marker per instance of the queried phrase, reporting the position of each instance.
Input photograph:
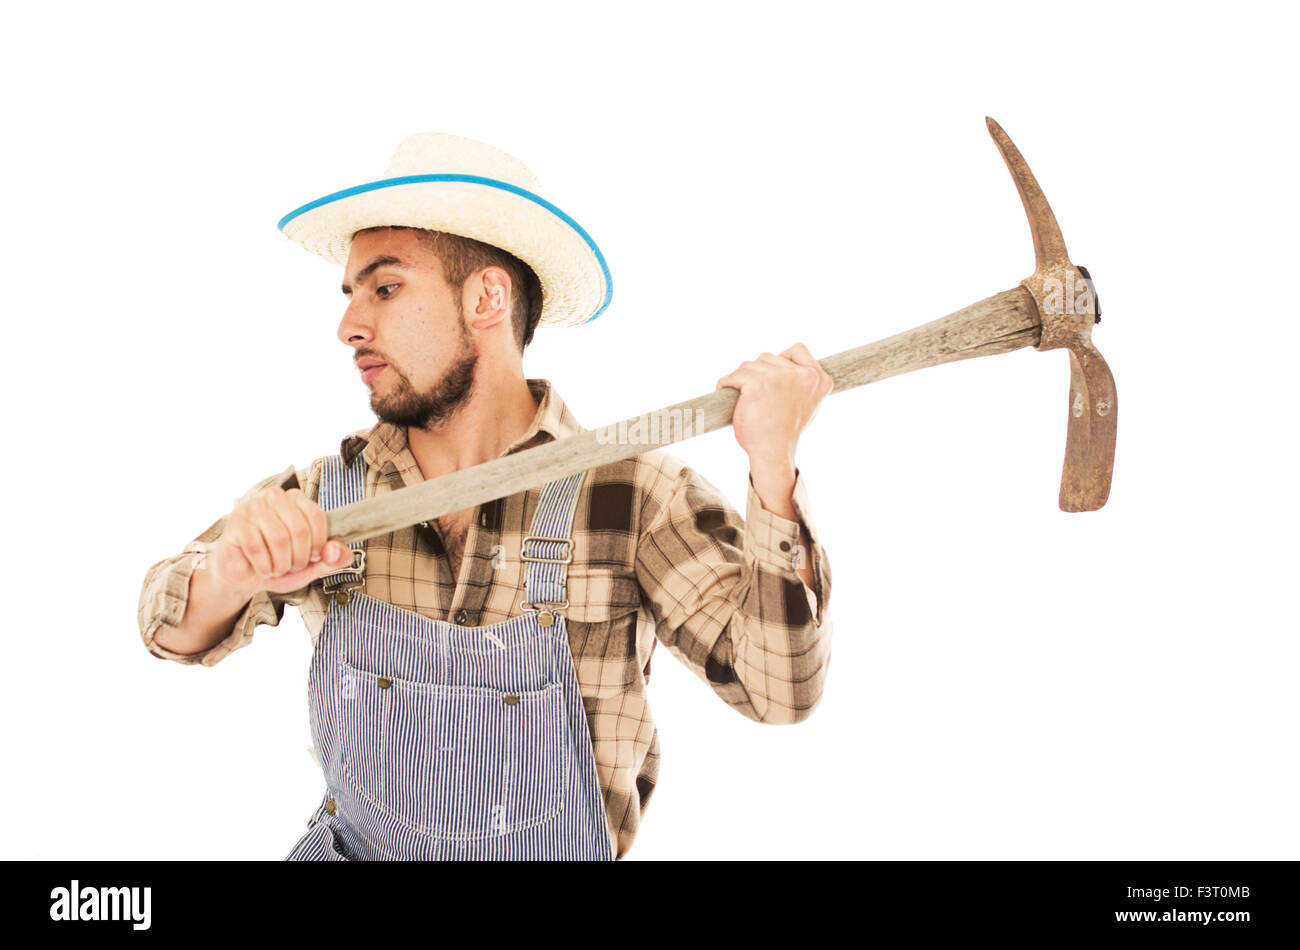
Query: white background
(1007, 681)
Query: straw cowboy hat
(448, 183)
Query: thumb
(334, 556)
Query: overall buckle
(545, 617)
(566, 559)
(344, 591)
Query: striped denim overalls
(445, 742)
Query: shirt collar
(384, 442)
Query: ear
(489, 294)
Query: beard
(428, 410)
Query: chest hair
(453, 530)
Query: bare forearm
(210, 614)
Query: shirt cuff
(165, 603)
(172, 589)
(774, 541)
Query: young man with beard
(477, 684)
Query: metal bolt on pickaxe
(1054, 308)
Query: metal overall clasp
(343, 593)
(545, 616)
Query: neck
(499, 410)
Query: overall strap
(548, 549)
(343, 485)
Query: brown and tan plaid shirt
(658, 554)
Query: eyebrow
(374, 265)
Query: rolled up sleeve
(165, 593)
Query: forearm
(210, 614)
(728, 594)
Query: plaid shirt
(658, 555)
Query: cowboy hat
(454, 184)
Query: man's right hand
(275, 542)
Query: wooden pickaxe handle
(999, 324)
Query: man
(477, 682)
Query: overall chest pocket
(453, 761)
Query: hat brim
(576, 285)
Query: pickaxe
(1053, 308)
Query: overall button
(383, 682)
(511, 699)
(342, 598)
(545, 618)
(461, 617)
(331, 808)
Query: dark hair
(462, 256)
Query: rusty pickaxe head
(1067, 304)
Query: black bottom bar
(1234, 901)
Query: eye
(382, 287)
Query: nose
(355, 327)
